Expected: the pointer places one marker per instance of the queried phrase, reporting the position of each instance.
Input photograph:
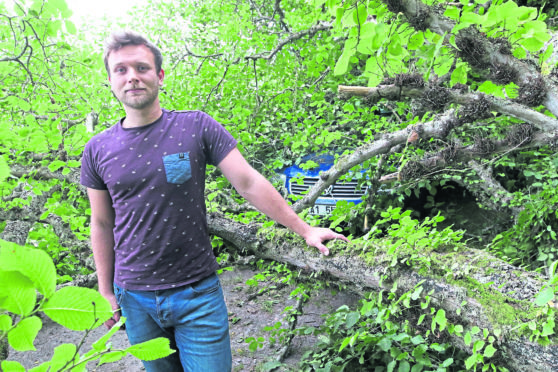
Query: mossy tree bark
(472, 286)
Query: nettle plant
(27, 272)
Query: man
(145, 182)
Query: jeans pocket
(118, 292)
(206, 285)
(177, 167)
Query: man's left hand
(318, 235)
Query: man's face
(133, 77)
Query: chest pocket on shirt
(177, 167)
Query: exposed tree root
(284, 352)
(265, 290)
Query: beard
(141, 101)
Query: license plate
(321, 210)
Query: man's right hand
(111, 298)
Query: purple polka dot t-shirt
(155, 175)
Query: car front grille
(345, 190)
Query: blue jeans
(193, 317)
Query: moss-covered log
(473, 287)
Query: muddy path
(249, 313)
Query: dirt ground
(249, 314)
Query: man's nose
(132, 76)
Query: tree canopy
(441, 102)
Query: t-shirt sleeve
(89, 176)
(218, 142)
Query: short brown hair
(120, 39)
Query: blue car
(297, 181)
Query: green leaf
(418, 339)
(489, 87)
(4, 169)
(444, 65)
(70, 27)
(5, 322)
(548, 327)
(35, 264)
(391, 366)
(360, 15)
(441, 319)
(415, 41)
(371, 71)
(21, 338)
(468, 338)
(544, 296)
(532, 44)
(345, 343)
(352, 318)
(478, 345)
(452, 12)
(55, 165)
(394, 47)
(19, 295)
(270, 366)
(416, 293)
(152, 349)
(44, 367)
(62, 355)
(12, 366)
(112, 357)
(448, 362)
(471, 361)
(18, 103)
(511, 90)
(342, 64)
(78, 308)
(489, 351)
(384, 344)
(404, 366)
(545, 56)
(101, 343)
(437, 49)
(519, 53)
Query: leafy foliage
(267, 71)
(23, 273)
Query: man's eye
(120, 69)
(142, 68)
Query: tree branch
(279, 11)
(396, 92)
(322, 26)
(18, 170)
(525, 73)
(437, 128)
(490, 187)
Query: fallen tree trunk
(473, 287)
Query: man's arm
(261, 193)
(102, 244)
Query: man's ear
(161, 77)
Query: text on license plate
(322, 210)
